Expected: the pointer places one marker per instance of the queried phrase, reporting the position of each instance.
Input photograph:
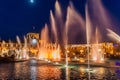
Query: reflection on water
(13, 70)
(118, 73)
(34, 70)
(67, 74)
(49, 72)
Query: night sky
(18, 17)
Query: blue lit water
(35, 70)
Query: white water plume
(113, 35)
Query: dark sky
(17, 17)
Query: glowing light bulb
(34, 41)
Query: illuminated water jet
(113, 35)
(96, 52)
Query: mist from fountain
(46, 50)
(25, 49)
(53, 25)
(58, 9)
(19, 51)
(61, 30)
(43, 50)
(88, 36)
(18, 41)
(96, 52)
(56, 53)
(73, 18)
(22, 51)
(113, 35)
(92, 20)
(58, 13)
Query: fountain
(43, 50)
(96, 52)
(64, 30)
(88, 35)
(18, 51)
(56, 53)
(25, 49)
(54, 30)
(113, 35)
(50, 50)
(4, 50)
(11, 52)
(73, 18)
(22, 51)
(47, 51)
